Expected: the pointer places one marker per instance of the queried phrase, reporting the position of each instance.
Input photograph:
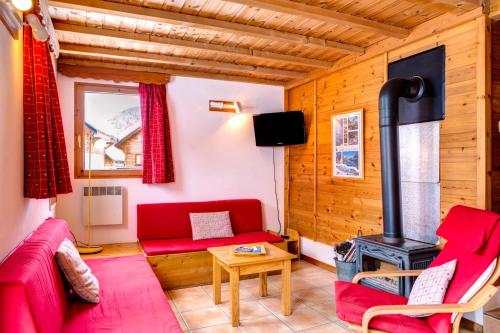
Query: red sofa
(164, 232)
(165, 228)
(35, 298)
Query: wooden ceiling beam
(173, 60)
(327, 16)
(148, 39)
(110, 74)
(451, 5)
(431, 28)
(163, 16)
(84, 65)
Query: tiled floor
(313, 306)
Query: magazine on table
(248, 250)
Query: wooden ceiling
(264, 41)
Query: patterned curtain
(157, 164)
(46, 171)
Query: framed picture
(347, 145)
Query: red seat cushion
(131, 300)
(352, 301)
(180, 245)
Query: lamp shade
(224, 106)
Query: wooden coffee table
(275, 259)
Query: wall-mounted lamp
(22, 5)
(9, 16)
(224, 106)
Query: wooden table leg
(263, 284)
(286, 288)
(234, 283)
(216, 281)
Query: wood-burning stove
(374, 254)
(414, 95)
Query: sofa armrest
(480, 299)
(365, 275)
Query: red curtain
(46, 171)
(157, 164)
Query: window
(109, 117)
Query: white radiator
(106, 205)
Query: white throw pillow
(211, 225)
(76, 271)
(431, 285)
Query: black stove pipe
(412, 89)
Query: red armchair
(473, 238)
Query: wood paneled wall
(495, 118)
(330, 210)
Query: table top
(273, 254)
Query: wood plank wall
(495, 103)
(331, 210)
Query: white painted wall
(214, 154)
(19, 216)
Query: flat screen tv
(279, 128)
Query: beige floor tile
(226, 328)
(328, 328)
(269, 324)
(315, 295)
(190, 299)
(248, 310)
(274, 278)
(301, 264)
(273, 303)
(343, 324)
(302, 267)
(205, 317)
(327, 310)
(320, 279)
(249, 283)
(245, 293)
(303, 318)
(298, 283)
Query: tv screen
(279, 129)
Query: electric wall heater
(106, 205)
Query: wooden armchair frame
(479, 300)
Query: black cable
(276, 192)
(77, 242)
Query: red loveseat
(164, 232)
(35, 298)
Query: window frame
(79, 137)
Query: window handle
(79, 141)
